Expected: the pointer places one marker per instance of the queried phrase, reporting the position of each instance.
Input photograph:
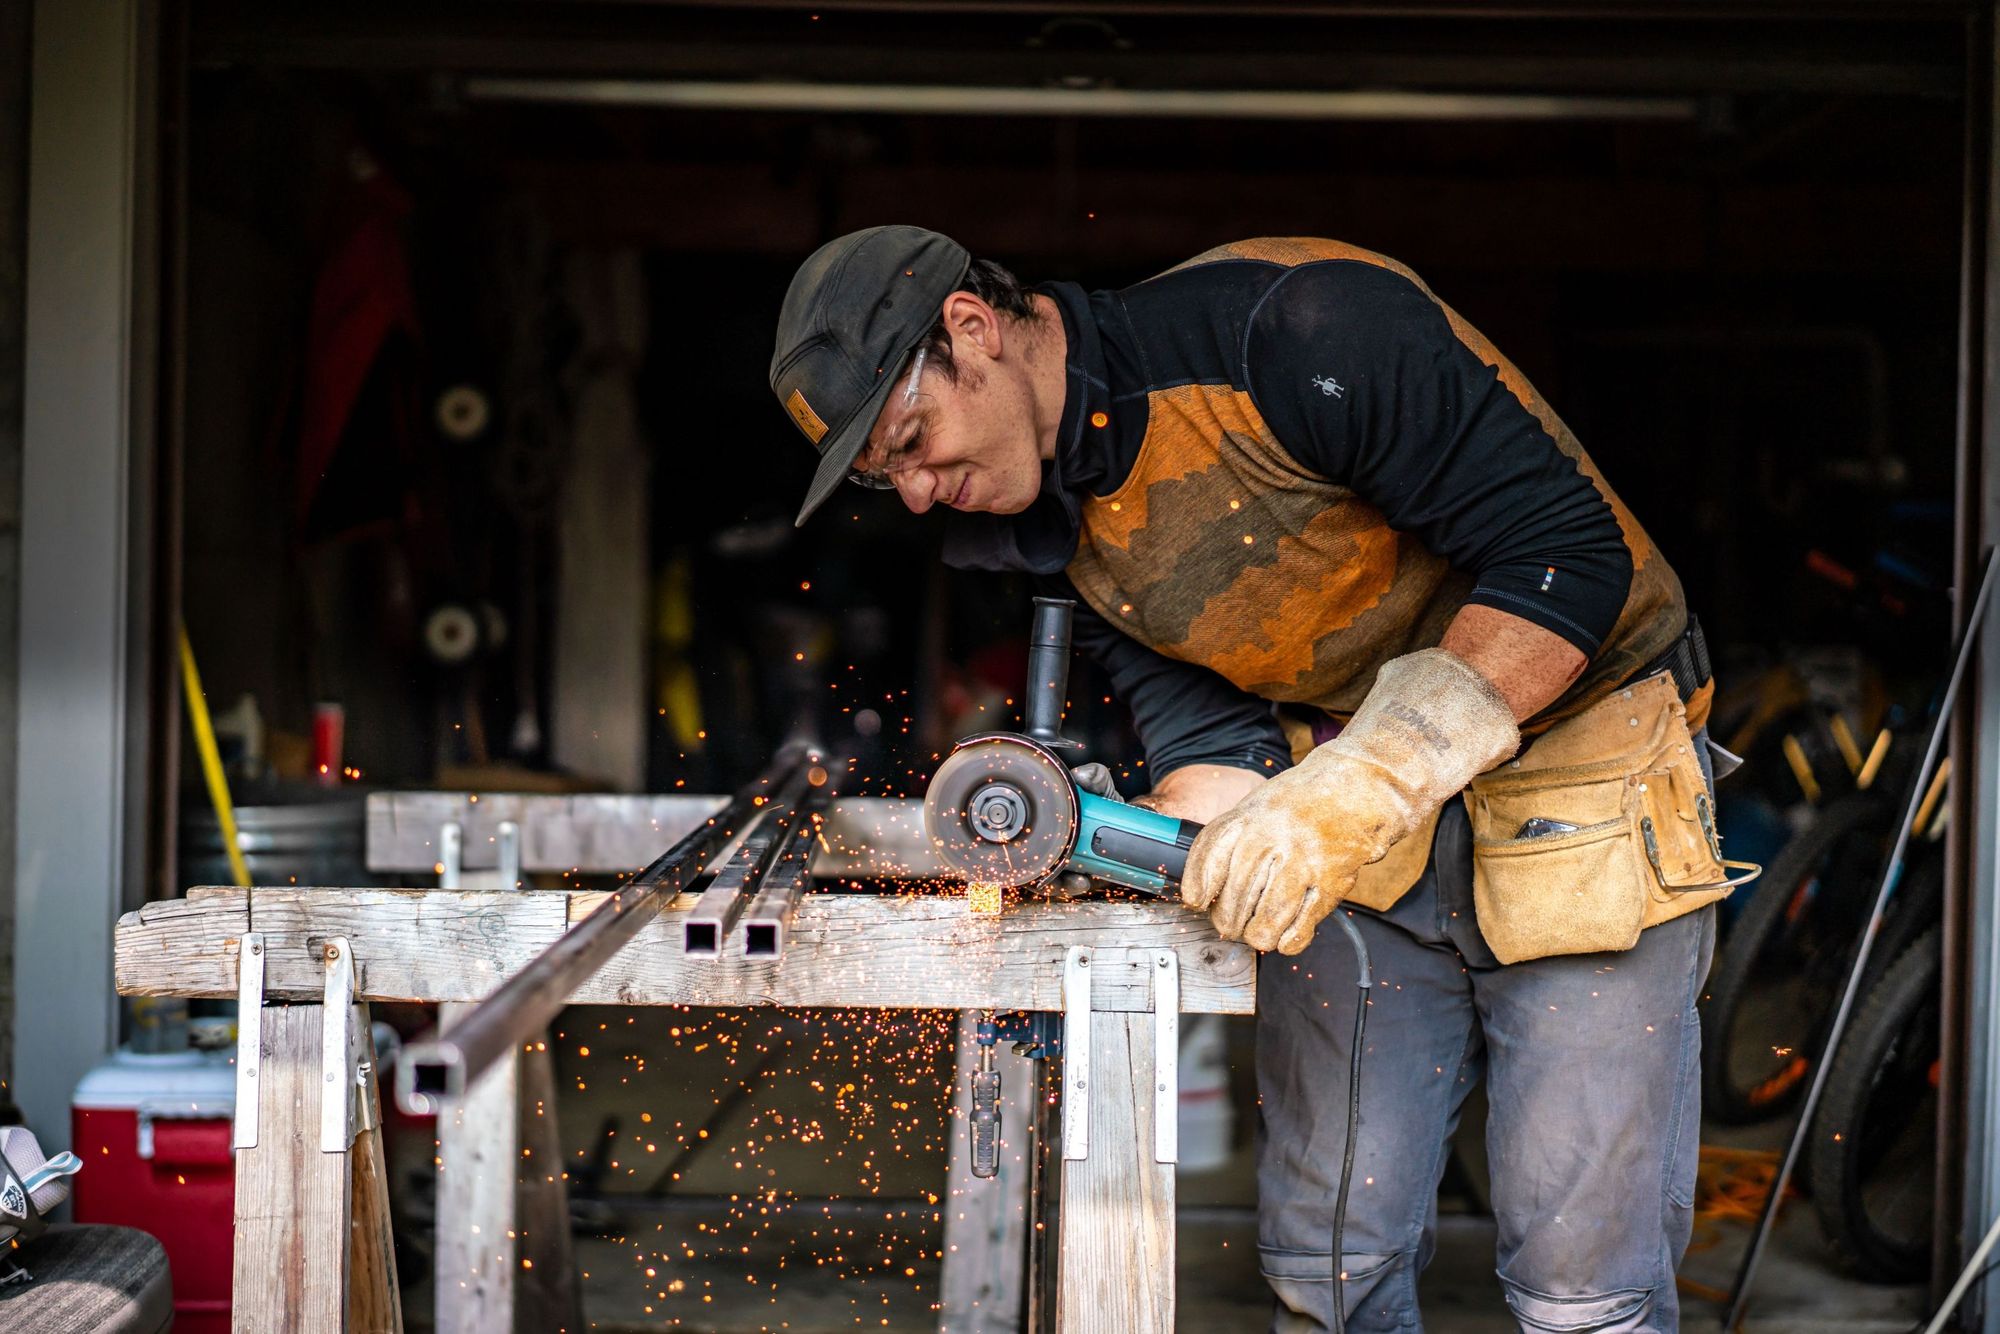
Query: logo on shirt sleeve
(1329, 386)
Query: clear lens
(883, 479)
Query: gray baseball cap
(853, 312)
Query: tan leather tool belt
(1644, 849)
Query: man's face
(968, 443)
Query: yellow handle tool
(211, 762)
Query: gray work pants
(1592, 1068)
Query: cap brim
(848, 442)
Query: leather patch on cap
(803, 414)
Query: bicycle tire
(1876, 1059)
(1726, 1098)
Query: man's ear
(972, 324)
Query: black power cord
(1366, 980)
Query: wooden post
(293, 1202)
(1115, 1268)
(313, 1254)
(986, 1220)
(474, 1274)
(547, 1296)
(375, 1303)
(504, 1258)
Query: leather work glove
(1271, 869)
(1095, 778)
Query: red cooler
(153, 1133)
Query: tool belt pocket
(1642, 848)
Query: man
(1299, 497)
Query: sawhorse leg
(313, 1250)
(504, 1260)
(986, 1219)
(1120, 1089)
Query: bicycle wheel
(1775, 979)
(1874, 1140)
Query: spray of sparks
(713, 1222)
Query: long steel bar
(715, 912)
(1892, 873)
(769, 915)
(439, 1068)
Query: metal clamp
(249, 1035)
(1166, 1056)
(1076, 1054)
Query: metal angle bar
(249, 1035)
(769, 916)
(440, 1068)
(336, 1049)
(742, 877)
(1166, 1056)
(1892, 873)
(1076, 1054)
(451, 854)
(509, 838)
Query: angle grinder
(1003, 809)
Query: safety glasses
(903, 455)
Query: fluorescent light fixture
(948, 100)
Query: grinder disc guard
(1002, 810)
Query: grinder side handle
(1048, 672)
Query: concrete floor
(820, 1276)
(845, 1109)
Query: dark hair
(997, 287)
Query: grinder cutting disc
(1001, 810)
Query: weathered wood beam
(845, 950)
(595, 833)
(863, 836)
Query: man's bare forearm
(1201, 792)
(1528, 665)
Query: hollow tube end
(429, 1075)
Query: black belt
(1686, 658)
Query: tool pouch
(1645, 850)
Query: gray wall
(70, 799)
(14, 35)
